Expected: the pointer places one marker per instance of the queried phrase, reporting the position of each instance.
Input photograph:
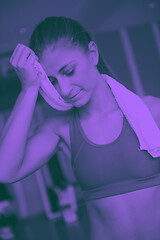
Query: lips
(75, 95)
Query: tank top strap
(76, 139)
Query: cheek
(83, 73)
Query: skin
(95, 99)
(137, 211)
(117, 217)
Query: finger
(17, 54)
(31, 59)
(14, 52)
(25, 56)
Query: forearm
(14, 136)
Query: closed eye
(69, 73)
(53, 79)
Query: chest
(109, 149)
(101, 131)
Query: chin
(81, 103)
(78, 104)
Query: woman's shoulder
(153, 104)
(151, 99)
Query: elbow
(8, 180)
(4, 180)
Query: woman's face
(71, 71)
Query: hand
(22, 60)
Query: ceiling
(19, 17)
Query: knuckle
(10, 61)
(32, 56)
(21, 66)
(28, 49)
(13, 65)
(18, 66)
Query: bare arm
(39, 149)
(14, 136)
(14, 144)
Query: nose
(65, 88)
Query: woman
(94, 134)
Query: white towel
(138, 115)
(135, 110)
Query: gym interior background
(49, 203)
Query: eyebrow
(62, 68)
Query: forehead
(60, 54)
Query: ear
(93, 52)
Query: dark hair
(52, 29)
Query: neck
(101, 103)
